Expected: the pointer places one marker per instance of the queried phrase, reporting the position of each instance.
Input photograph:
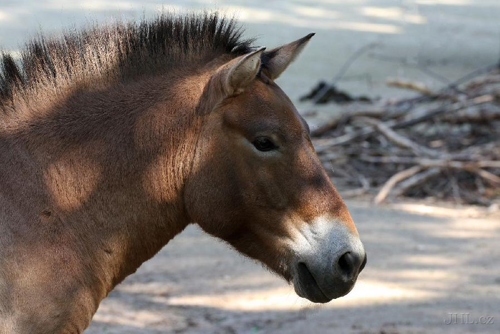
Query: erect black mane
(132, 48)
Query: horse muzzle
(327, 262)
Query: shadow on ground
(421, 269)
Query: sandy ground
(424, 264)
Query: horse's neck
(106, 172)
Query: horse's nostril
(349, 265)
(364, 263)
(345, 263)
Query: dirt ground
(425, 263)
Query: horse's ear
(230, 79)
(237, 74)
(240, 72)
(277, 60)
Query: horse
(114, 138)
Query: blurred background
(403, 99)
(450, 37)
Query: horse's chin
(307, 287)
(312, 293)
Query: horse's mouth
(306, 286)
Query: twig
(343, 70)
(417, 65)
(395, 179)
(427, 163)
(331, 124)
(442, 110)
(481, 113)
(471, 75)
(355, 56)
(416, 180)
(452, 86)
(325, 144)
(415, 86)
(490, 177)
(399, 139)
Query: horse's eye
(264, 144)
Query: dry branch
(400, 140)
(490, 177)
(401, 147)
(411, 85)
(442, 163)
(416, 180)
(346, 115)
(398, 177)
